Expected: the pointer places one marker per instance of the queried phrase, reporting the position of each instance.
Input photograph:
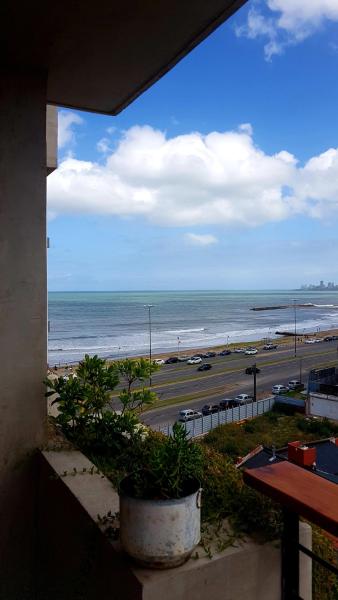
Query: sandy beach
(282, 340)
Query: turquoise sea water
(115, 324)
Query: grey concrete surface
(102, 57)
(51, 138)
(22, 319)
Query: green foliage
(133, 371)
(321, 428)
(168, 468)
(107, 436)
(136, 401)
(83, 397)
(226, 496)
(270, 429)
(325, 583)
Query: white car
(310, 341)
(243, 399)
(189, 415)
(194, 360)
(159, 361)
(280, 389)
(251, 351)
(239, 350)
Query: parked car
(224, 353)
(205, 367)
(280, 389)
(243, 399)
(183, 358)
(270, 347)
(329, 338)
(159, 361)
(199, 355)
(296, 385)
(250, 370)
(226, 403)
(210, 354)
(189, 415)
(194, 360)
(251, 351)
(208, 409)
(310, 341)
(171, 360)
(239, 350)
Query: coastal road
(181, 386)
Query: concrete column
(23, 308)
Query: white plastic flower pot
(160, 534)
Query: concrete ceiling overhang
(100, 55)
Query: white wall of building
(321, 405)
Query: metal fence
(205, 424)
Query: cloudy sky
(224, 175)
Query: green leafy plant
(168, 469)
(83, 397)
(134, 371)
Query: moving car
(205, 367)
(208, 409)
(251, 351)
(189, 415)
(171, 360)
(243, 399)
(296, 385)
(224, 353)
(250, 370)
(270, 347)
(280, 389)
(194, 360)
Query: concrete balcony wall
(52, 138)
(23, 332)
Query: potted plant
(160, 502)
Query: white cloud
(289, 22)
(202, 239)
(103, 145)
(221, 178)
(66, 121)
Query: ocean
(115, 324)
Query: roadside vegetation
(271, 429)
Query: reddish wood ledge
(298, 490)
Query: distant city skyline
(321, 286)
(223, 175)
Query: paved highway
(181, 386)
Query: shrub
(167, 469)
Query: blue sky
(224, 175)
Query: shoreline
(282, 340)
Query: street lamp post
(254, 368)
(149, 307)
(295, 316)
